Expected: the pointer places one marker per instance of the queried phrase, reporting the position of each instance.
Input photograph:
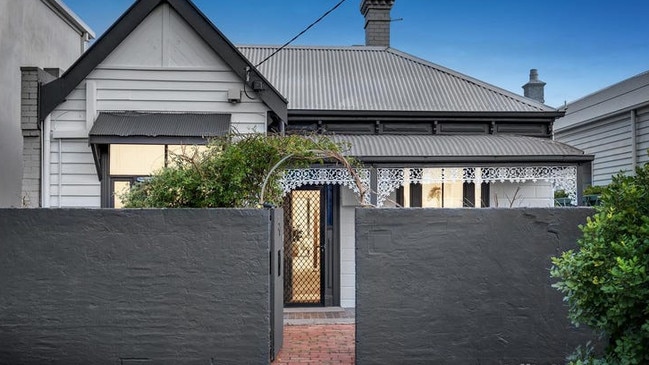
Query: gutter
(70, 17)
(401, 115)
(400, 161)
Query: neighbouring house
(37, 39)
(164, 77)
(613, 125)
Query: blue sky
(578, 46)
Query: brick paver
(326, 344)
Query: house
(163, 77)
(33, 33)
(613, 125)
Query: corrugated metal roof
(374, 78)
(136, 124)
(471, 147)
(619, 97)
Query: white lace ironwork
(561, 177)
(389, 179)
(295, 178)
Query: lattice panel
(302, 232)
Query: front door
(308, 248)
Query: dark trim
(416, 195)
(400, 197)
(484, 195)
(55, 92)
(305, 114)
(422, 160)
(468, 194)
(104, 177)
(231, 55)
(335, 191)
(147, 140)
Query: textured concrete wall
(115, 286)
(463, 286)
(32, 34)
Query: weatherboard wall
(611, 140)
(162, 66)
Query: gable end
(55, 92)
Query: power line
(302, 32)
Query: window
(132, 163)
(451, 194)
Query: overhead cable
(302, 32)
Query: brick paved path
(326, 344)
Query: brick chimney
(377, 22)
(534, 88)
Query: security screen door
(304, 247)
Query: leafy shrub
(594, 190)
(605, 282)
(560, 194)
(230, 173)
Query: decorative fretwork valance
(389, 179)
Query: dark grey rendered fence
(134, 286)
(465, 286)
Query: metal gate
(303, 248)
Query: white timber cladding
(610, 140)
(73, 177)
(162, 66)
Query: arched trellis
(389, 179)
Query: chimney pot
(534, 74)
(534, 89)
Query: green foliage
(594, 190)
(560, 194)
(230, 173)
(605, 282)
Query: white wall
(515, 195)
(163, 66)
(348, 204)
(31, 34)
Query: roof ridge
(307, 46)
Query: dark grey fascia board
(326, 115)
(231, 55)
(401, 161)
(55, 92)
(97, 140)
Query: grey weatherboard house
(163, 76)
(613, 125)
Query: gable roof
(55, 92)
(617, 98)
(376, 78)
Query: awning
(488, 148)
(157, 128)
